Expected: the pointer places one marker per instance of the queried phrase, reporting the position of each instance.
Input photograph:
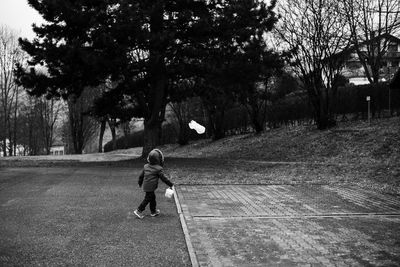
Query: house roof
(377, 38)
(352, 47)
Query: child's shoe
(155, 213)
(139, 214)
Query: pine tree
(235, 59)
(142, 47)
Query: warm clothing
(150, 197)
(149, 177)
(156, 157)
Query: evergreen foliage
(143, 48)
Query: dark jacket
(149, 177)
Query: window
(354, 65)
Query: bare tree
(30, 126)
(49, 114)
(103, 124)
(315, 32)
(371, 22)
(256, 106)
(82, 126)
(182, 112)
(10, 55)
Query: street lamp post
(369, 109)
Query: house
(57, 148)
(354, 71)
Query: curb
(192, 254)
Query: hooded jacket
(153, 171)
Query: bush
(169, 134)
(294, 107)
(237, 121)
(352, 99)
(132, 140)
(136, 139)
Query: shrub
(136, 139)
(352, 99)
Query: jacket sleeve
(165, 179)
(141, 176)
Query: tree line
(133, 59)
(29, 124)
(288, 109)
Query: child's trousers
(150, 197)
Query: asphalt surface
(79, 216)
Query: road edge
(189, 245)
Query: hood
(155, 157)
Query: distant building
(354, 70)
(57, 149)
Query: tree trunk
(151, 137)
(30, 136)
(76, 133)
(256, 119)
(183, 138)
(76, 123)
(324, 117)
(158, 80)
(219, 129)
(254, 108)
(210, 124)
(10, 142)
(102, 130)
(4, 143)
(15, 122)
(257, 126)
(5, 137)
(127, 131)
(112, 124)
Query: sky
(19, 16)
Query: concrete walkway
(285, 225)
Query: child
(149, 179)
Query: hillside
(351, 142)
(357, 153)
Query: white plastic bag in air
(200, 129)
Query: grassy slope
(353, 152)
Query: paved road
(78, 216)
(277, 225)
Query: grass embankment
(366, 155)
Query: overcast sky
(19, 16)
